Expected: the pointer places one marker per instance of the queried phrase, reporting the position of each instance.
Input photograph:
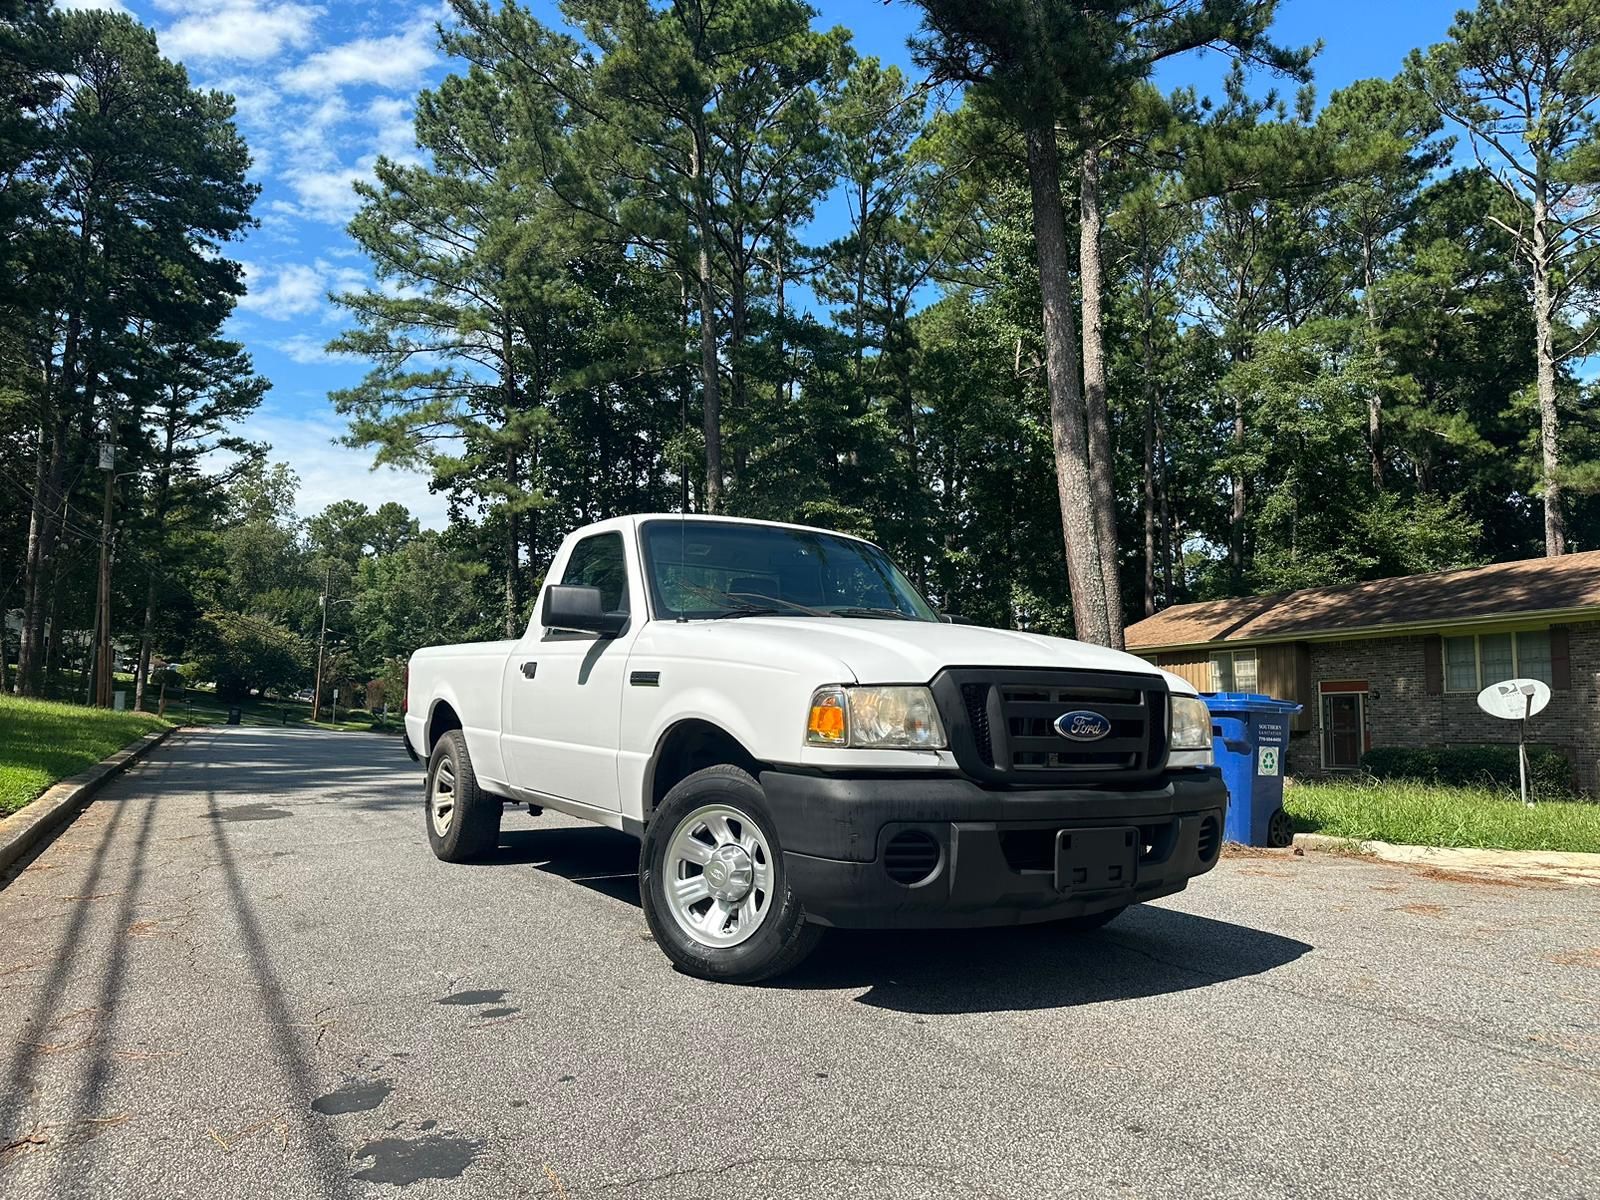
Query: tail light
(405, 690)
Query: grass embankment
(1423, 814)
(42, 742)
(202, 708)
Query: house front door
(1344, 729)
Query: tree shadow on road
(1148, 951)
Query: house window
(1473, 663)
(1233, 671)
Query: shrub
(1549, 771)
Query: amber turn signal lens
(825, 726)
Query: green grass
(1423, 814)
(41, 742)
(198, 707)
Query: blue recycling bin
(1250, 738)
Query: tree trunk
(1555, 527)
(43, 526)
(1166, 510)
(1102, 466)
(710, 383)
(738, 308)
(513, 403)
(146, 638)
(1374, 398)
(30, 638)
(1148, 463)
(861, 281)
(513, 552)
(1068, 436)
(1237, 485)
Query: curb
(1567, 865)
(38, 821)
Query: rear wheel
(712, 882)
(463, 820)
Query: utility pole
(102, 650)
(322, 639)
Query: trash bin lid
(1247, 702)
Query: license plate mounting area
(1096, 860)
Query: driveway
(241, 973)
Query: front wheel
(712, 882)
(463, 819)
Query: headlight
(1191, 724)
(880, 718)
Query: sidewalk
(1556, 865)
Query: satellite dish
(1514, 699)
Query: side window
(598, 561)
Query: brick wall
(1401, 713)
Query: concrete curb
(37, 823)
(1563, 865)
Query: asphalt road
(242, 974)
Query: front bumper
(997, 848)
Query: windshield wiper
(745, 599)
(888, 614)
(748, 610)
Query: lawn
(41, 742)
(198, 707)
(1423, 814)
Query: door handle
(530, 669)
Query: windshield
(705, 569)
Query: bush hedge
(1549, 771)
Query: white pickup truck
(798, 740)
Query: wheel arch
(686, 746)
(442, 718)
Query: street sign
(1517, 700)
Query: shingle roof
(1442, 598)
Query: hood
(880, 651)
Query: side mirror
(567, 606)
(955, 619)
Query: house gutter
(1586, 612)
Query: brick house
(1399, 662)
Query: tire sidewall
(474, 830)
(444, 750)
(753, 958)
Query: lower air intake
(910, 857)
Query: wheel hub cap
(729, 873)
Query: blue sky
(323, 89)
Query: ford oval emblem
(1083, 725)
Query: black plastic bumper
(1000, 859)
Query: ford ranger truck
(799, 740)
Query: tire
(1089, 922)
(721, 933)
(471, 826)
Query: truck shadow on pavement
(1148, 951)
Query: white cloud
(391, 118)
(236, 30)
(282, 291)
(279, 291)
(308, 351)
(330, 472)
(115, 6)
(395, 61)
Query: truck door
(563, 688)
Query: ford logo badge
(1083, 726)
